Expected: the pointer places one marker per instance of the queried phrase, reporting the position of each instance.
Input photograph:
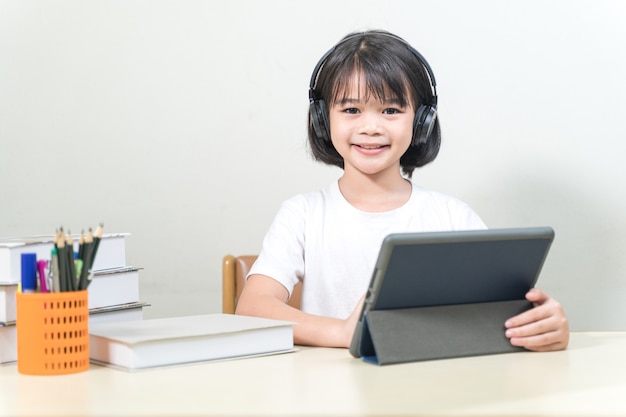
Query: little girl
(373, 113)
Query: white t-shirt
(320, 239)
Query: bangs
(374, 79)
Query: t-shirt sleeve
(282, 254)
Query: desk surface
(587, 379)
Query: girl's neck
(375, 193)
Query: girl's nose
(370, 124)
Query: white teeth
(370, 147)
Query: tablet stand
(425, 333)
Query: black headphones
(425, 115)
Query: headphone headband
(419, 56)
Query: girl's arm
(263, 296)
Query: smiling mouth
(371, 146)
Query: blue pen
(29, 272)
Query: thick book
(114, 286)
(111, 253)
(112, 314)
(143, 344)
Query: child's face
(370, 134)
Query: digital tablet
(456, 267)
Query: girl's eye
(391, 111)
(351, 110)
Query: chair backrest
(234, 272)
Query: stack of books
(113, 292)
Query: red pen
(42, 264)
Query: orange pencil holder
(52, 333)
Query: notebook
(434, 269)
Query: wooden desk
(587, 379)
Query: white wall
(183, 122)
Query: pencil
(81, 245)
(88, 249)
(70, 262)
(61, 257)
(97, 236)
(54, 269)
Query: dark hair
(388, 64)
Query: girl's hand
(542, 328)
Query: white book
(7, 302)
(113, 286)
(111, 253)
(8, 343)
(114, 314)
(142, 344)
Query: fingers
(541, 311)
(542, 328)
(546, 334)
(537, 296)
(541, 343)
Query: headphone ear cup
(319, 119)
(423, 124)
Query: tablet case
(447, 294)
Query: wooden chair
(234, 272)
